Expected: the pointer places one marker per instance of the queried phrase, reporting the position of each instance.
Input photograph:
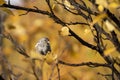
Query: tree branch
(89, 64)
(55, 18)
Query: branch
(115, 41)
(107, 58)
(34, 70)
(58, 70)
(65, 7)
(75, 23)
(105, 75)
(25, 9)
(82, 41)
(89, 64)
(112, 17)
(18, 47)
(84, 8)
(55, 18)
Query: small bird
(43, 46)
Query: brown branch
(34, 70)
(18, 47)
(57, 65)
(78, 7)
(5, 65)
(48, 2)
(65, 7)
(51, 74)
(115, 41)
(106, 58)
(55, 18)
(25, 9)
(75, 23)
(82, 41)
(105, 75)
(89, 64)
(24, 13)
(98, 38)
(113, 37)
(110, 15)
(59, 21)
(113, 18)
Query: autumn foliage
(84, 37)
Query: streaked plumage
(43, 46)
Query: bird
(43, 46)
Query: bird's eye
(47, 40)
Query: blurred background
(28, 29)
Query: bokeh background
(28, 29)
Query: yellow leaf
(113, 5)
(38, 22)
(100, 8)
(51, 58)
(2, 2)
(53, 6)
(109, 51)
(98, 18)
(102, 2)
(64, 31)
(68, 5)
(109, 25)
(35, 55)
(87, 31)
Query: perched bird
(43, 46)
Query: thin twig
(18, 47)
(57, 65)
(78, 7)
(56, 19)
(24, 13)
(105, 75)
(89, 64)
(75, 23)
(115, 41)
(34, 70)
(51, 75)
